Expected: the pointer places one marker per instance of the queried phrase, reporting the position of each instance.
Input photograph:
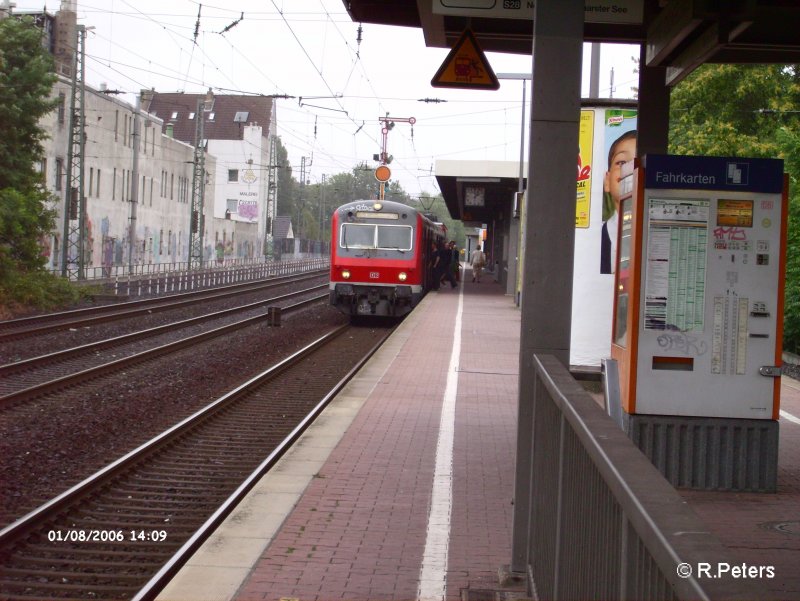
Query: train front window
(386, 237)
(356, 235)
(394, 237)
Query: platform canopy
(679, 34)
(477, 191)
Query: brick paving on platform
(359, 530)
(763, 529)
(355, 528)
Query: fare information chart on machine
(675, 283)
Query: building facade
(237, 131)
(159, 214)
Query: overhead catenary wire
(331, 125)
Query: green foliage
(733, 110)
(26, 80)
(748, 111)
(35, 290)
(789, 143)
(22, 213)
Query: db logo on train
(374, 275)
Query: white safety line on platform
(790, 417)
(433, 573)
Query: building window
(91, 180)
(211, 116)
(233, 175)
(231, 208)
(97, 185)
(114, 185)
(191, 116)
(59, 173)
(174, 115)
(62, 108)
(171, 185)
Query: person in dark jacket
(444, 257)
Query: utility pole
(134, 186)
(197, 218)
(385, 158)
(322, 207)
(74, 198)
(301, 203)
(272, 197)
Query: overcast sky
(309, 49)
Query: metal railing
(105, 272)
(185, 280)
(604, 523)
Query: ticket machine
(698, 315)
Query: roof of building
(282, 227)
(225, 121)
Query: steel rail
(38, 515)
(107, 313)
(157, 583)
(113, 366)
(133, 462)
(25, 364)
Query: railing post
(624, 528)
(559, 509)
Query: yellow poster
(584, 194)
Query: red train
(380, 252)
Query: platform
(404, 482)
(403, 488)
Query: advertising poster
(620, 147)
(584, 184)
(593, 282)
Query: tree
(734, 110)
(287, 185)
(748, 111)
(26, 80)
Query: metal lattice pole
(73, 264)
(197, 219)
(272, 198)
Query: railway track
(25, 327)
(29, 378)
(124, 531)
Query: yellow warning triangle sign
(466, 67)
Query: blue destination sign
(667, 171)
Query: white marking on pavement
(433, 573)
(790, 417)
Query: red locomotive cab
(378, 258)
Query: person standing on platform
(477, 259)
(444, 258)
(433, 266)
(455, 261)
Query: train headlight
(346, 274)
(402, 276)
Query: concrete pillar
(549, 222)
(653, 112)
